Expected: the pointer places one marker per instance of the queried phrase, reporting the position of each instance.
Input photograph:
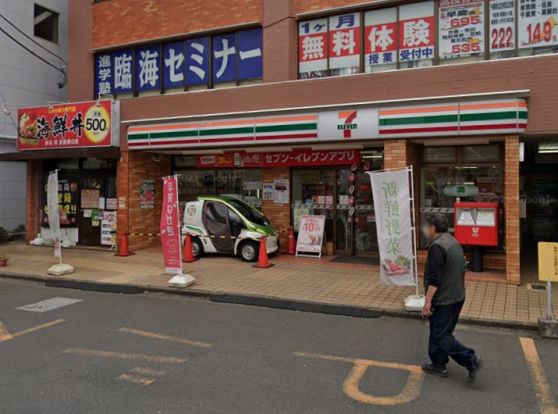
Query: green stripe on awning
(491, 116)
(432, 119)
(175, 134)
(292, 127)
(138, 136)
(226, 131)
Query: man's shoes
(432, 369)
(478, 362)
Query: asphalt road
(148, 353)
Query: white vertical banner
(53, 211)
(395, 225)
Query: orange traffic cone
(291, 245)
(123, 249)
(263, 260)
(188, 256)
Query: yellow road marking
(148, 371)
(33, 329)
(123, 355)
(351, 384)
(168, 338)
(546, 401)
(4, 333)
(136, 379)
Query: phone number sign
(72, 125)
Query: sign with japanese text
(310, 234)
(73, 125)
(53, 209)
(344, 41)
(122, 61)
(461, 28)
(417, 34)
(197, 61)
(392, 206)
(537, 23)
(67, 204)
(380, 37)
(173, 65)
(312, 46)
(148, 62)
(170, 227)
(548, 261)
(295, 158)
(233, 56)
(147, 194)
(502, 25)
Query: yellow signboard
(548, 262)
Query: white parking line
(48, 304)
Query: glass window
(344, 44)
(438, 186)
(216, 212)
(439, 154)
(249, 212)
(380, 40)
(312, 193)
(46, 24)
(461, 30)
(417, 34)
(481, 153)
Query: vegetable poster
(392, 205)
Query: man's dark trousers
(442, 343)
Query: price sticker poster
(502, 25)
(537, 23)
(76, 125)
(461, 28)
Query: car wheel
(197, 248)
(249, 251)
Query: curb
(255, 300)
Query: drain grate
(537, 286)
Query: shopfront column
(34, 192)
(278, 214)
(511, 208)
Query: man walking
(444, 284)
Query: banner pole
(413, 218)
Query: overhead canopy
(110, 153)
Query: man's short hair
(439, 221)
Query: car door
(216, 221)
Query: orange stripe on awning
(222, 123)
(420, 110)
(494, 105)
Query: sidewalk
(296, 279)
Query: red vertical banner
(170, 226)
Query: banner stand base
(60, 269)
(414, 303)
(182, 280)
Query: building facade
(27, 28)
(287, 104)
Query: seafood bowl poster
(392, 204)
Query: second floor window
(45, 24)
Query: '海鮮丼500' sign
(199, 61)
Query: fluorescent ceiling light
(548, 147)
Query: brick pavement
(291, 278)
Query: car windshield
(249, 213)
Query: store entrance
(344, 196)
(539, 202)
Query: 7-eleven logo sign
(348, 122)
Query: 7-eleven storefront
(314, 161)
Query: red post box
(476, 224)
